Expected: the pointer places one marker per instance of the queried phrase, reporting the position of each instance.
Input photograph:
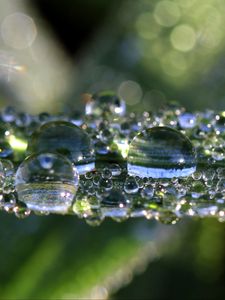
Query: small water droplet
(44, 117)
(131, 186)
(105, 102)
(219, 124)
(101, 148)
(115, 205)
(218, 153)
(197, 189)
(23, 120)
(167, 217)
(95, 219)
(106, 173)
(5, 150)
(8, 167)
(161, 152)
(209, 174)
(221, 173)
(50, 189)
(187, 120)
(197, 175)
(8, 114)
(106, 184)
(147, 192)
(89, 175)
(115, 169)
(21, 211)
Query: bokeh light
(130, 91)
(167, 13)
(183, 38)
(18, 31)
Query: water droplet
(8, 167)
(197, 175)
(220, 122)
(140, 181)
(89, 175)
(101, 148)
(46, 182)
(197, 189)
(209, 174)
(220, 186)
(106, 173)
(105, 102)
(167, 217)
(5, 150)
(9, 202)
(5, 131)
(21, 211)
(8, 114)
(96, 179)
(44, 117)
(115, 205)
(161, 152)
(221, 173)
(218, 153)
(187, 120)
(9, 185)
(95, 219)
(131, 186)
(67, 139)
(115, 169)
(23, 120)
(106, 184)
(147, 192)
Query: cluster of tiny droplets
(108, 190)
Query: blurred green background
(149, 52)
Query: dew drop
(220, 122)
(197, 175)
(106, 173)
(8, 114)
(67, 139)
(115, 205)
(8, 167)
(21, 211)
(197, 189)
(5, 150)
(115, 169)
(147, 192)
(46, 182)
(95, 219)
(167, 217)
(161, 152)
(187, 120)
(105, 102)
(106, 184)
(131, 186)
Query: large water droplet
(105, 102)
(47, 182)
(161, 152)
(67, 139)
